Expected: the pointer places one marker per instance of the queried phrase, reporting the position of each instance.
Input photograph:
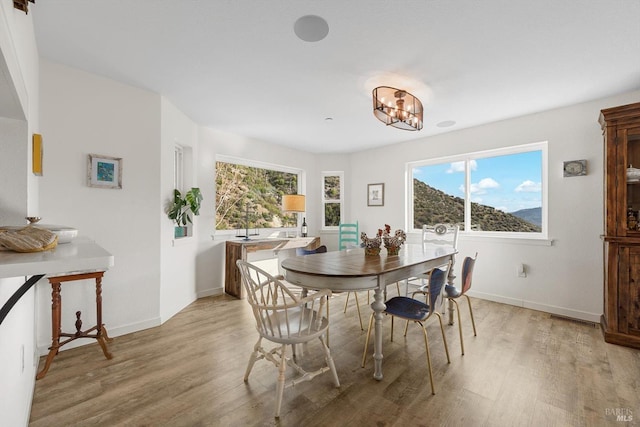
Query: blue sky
(509, 183)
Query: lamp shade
(293, 203)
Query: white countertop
(81, 254)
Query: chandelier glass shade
(293, 203)
(397, 108)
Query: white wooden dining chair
(285, 319)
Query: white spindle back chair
(284, 318)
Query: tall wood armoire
(621, 319)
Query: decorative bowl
(65, 234)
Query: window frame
(302, 185)
(541, 146)
(324, 201)
(178, 167)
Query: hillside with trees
(432, 206)
(239, 186)
(261, 190)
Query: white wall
(565, 278)
(18, 198)
(85, 114)
(178, 257)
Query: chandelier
(397, 108)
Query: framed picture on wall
(37, 154)
(104, 171)
(375, 195)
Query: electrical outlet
(522, 271)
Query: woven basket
(28, 239)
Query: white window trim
(302, 185)
(178, 167)
(324, 174)
(536, 146)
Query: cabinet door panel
(630, 294)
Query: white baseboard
(211, 292)
(552, 309)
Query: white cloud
(529, 187)
(456, 167)
(482, 186)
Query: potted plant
(182, 207)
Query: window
(332, 199)
(493, 192)
(249, 190)
(178, 168)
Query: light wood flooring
(525, 368)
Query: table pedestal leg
(378, 307)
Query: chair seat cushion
(407, 308)
(451, 291)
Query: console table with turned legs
(81, 259)
(98, 332)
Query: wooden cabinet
(238, 249)
(621, 319)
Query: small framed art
(104, 171)
(375, 195)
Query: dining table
(351, 270)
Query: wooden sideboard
(238, 249)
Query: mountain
(432, 206)
(533, 215)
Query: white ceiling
(237, 66)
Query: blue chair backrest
(436, 282)
(467, 272)
(319, 250)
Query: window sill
(182, 241)
(515, 240)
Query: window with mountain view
(498, 191)
(254, 193)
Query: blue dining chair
(452, 294)
(410, 309)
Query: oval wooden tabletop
(354, 263)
